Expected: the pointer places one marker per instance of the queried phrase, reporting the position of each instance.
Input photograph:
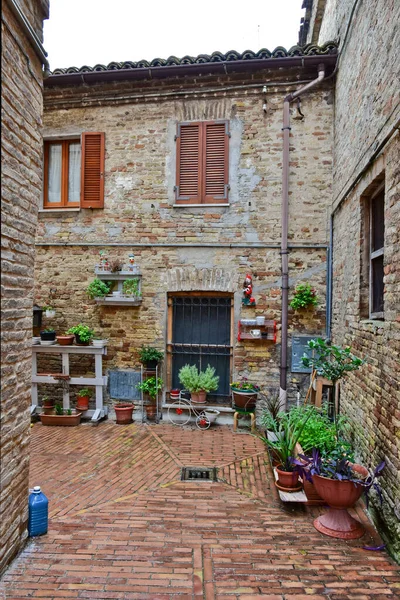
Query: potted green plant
(61, 417)
(98, 288)
(305, 296)
(48, 335)
(198, 383)
(123, 413)
(340, 483)
(99, 342)
(47, 405)
(83, 334)
(150, 357)
(82, 398)
(244, 394)
(49, 312)
(287, 430)
(130, 287)
(270, 415)
(150, 387)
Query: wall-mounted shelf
(120, 277)
(268, 332)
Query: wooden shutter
(188, 165)
(92, 176)
(215, 161)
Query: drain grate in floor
(199, 474)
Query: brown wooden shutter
(188, 164)
(215, 160)
(92, 176)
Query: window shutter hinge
(229, 134)
(175, 137)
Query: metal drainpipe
(30, 34)
(329, 281)
(285, 225)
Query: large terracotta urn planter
(339, 495)
(123, 413)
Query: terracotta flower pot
(61, 420)
(123, 413)
(82, 403)
(340, 495)
(198, 397)
(288, 481)
(65, 340)
(151, 412)
(244, 400)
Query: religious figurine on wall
(248, 299)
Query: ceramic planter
(99, 343)
(212, 414)
(339, 495)
(79, 341)
(82, 403)
(50, 314)
(246, 400)
(198, 397)
(48, 336)
(65, 340)
(288, 481)
(61, 420)
(123, 413)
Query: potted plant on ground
(151, 386)
(48, 335)
(287, 431)
(123, 412)
(305, 296)
(83, 334)
(61, 417)
(66, 339)
(340, 483)
(82, 399)
(198, 383)
(98, 288)
(150, 357)
(244, 394)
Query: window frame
(65, 143)
(374, 254)
(204, 200)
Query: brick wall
(139, 212)
(21, 184)
(366, 149)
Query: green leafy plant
(85, 392)
(195, 381)
(287, 432)
(147, 353)
(98, 288)
(151, 386)
(272, 411)
(130, 287)
(50, 330)
(46, 308)
(304, 296)
(84, 332)
(68, 411)
(59, 409)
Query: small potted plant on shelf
(244, 394)
(47, 405)
(123, 412)
(287, 431)
(66, 339)
(151, 386)
(62, 417)
(305, 296)
(82, 399)
(49, 312)
(83, 334)
(340, 483)
(98, 288)
(130, 288)
(198, 383)
(48, 336)
(150, 357)
(99, 342)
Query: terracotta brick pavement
(123, 525)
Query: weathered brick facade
(21, 188)
(366, 152)
(183, 248)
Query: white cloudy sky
(86, 32)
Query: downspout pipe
(285, 224)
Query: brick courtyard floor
(123, 525)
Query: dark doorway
(200, 331)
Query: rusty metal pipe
(285, 227)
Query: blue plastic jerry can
(38, 513)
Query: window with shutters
(202, 163)
(74, 172)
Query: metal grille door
(201, 336)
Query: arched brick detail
(187, 279)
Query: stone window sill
(52, 211)
(199, 205)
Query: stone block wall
(21, 188)
(174, 244)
